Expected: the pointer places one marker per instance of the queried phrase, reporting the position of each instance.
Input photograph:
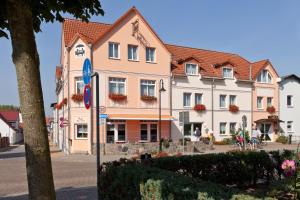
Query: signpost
(87, 75)
(244, 120)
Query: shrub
(225, 141)
(282, 139)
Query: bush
(282, 139)
(140, 182)
(225, 141)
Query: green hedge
(139, 182)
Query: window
(232, 127)
(144, 132)
(187, 99)
(222, 101)
(198, 98)
(153, 132)
(117, 85)
(191, 69)
(114, 50)
(189, 129)
(289, 126)
(110, 133)
(289, 100)
(132, 52)
(264, 77)
(150, 54)
(79, 85)
(232, 100)
(222, 128)
(259, 103)
(147, 88)
(269, 101)
(79, 50)
(227, 72)
(121, 132)
(82, 131)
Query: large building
(134, 64)
(290, 105)
(11, 126)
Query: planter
(234, 108)
(118, 97)
(199, 108)
(147, 98)
(77, 98)
(271, 109)
(61, 104)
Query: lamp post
(161, 89)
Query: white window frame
(77, 81)
(235, 101)
(113, 57)
(190, 94)
(201, 98)
(137, 52)
(148, 123)
(148, 84)
(224, 101)
(117, 83)
(189, 74)
(76, 131)
(268, 101)
(262, 103)
(154, 55)
(231, 123)
(116, 130)
(291, 130)
(226, 68)
(292, 104)
(220, 128)
(260, 75)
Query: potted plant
(148, 98)
(271, 109)
(77, 98)
(234, 108)
(117, 97)
(199, 108)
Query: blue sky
(255, 29)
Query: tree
(21, 18)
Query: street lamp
(161, 89)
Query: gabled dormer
(264, 73)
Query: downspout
(212, 104)
(171, 107)
(69, 109)
(251, 111)
(90, 142)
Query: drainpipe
(69, 108)
(251, 111)
(171, 107)
(212, 104)
(90, 138)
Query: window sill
(120, 141)
(290, 106)
(223, 108)
(81, 138)
(143, 141)
(151, 62)
(112, 58)
(133, 60)
(192, 74)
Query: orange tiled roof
(210, 62)
(257, 67)
(88, 32)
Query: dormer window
(264, 77)
(191, 69)
(227, 72)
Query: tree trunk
(26, 60)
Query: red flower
(271, 109)
(148, 98)
(61, 104)
(234, 108)
(199, 107)
(77, 98)
(65, 101)
(117, 97)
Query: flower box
(118, 97)
(61, 104)
(147, 98)
(77, 98)
(271, 109)
(234, 108)
(199, 108)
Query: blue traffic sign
(87, 71)
(87, 96)
(103, 116)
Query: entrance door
(265, 129)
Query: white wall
(194, 84)
(7, 131)
(290, 87)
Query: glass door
(265, 129)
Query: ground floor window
(81, 131)
(222, 128)
(148, 131)
(189, 129)
(232, 127)
(115, 131)
(265, 131)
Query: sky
(255, 29)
